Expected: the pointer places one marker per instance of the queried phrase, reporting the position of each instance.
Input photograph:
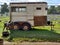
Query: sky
(50, 2)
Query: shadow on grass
(39, 34)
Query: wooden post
(52, 26)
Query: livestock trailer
(24, 15)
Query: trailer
(24, 15)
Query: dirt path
(31, 43)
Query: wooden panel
(31, 22)
(40, 20)
(14, 19)
(30, 17)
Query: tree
(52, 10)
(4, 8)
(58, 9)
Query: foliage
(54, 10)
(4, 8)
(58, 9)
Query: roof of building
(28, 3)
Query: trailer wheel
(16, 26)
(26, 26)
(13, 26)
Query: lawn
(41, 33)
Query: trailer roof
(28, 3)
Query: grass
(36, 35)
(41, 33)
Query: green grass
(36, 34)
(41, 33)
(3, 19)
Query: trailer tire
(16, 26)
(26, 26)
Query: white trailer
(24, 15)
